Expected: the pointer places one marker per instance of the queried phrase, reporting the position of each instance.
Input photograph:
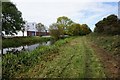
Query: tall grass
(110, 43)
(14, 42)
(13, 64)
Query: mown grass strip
(94, 68)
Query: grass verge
(14, 42)
(13, 64)
(108, 42)
(73, 60)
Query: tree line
(12, 22)
(65, 26)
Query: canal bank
(27, 47)
(13, 64)
(22, 41)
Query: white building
(30, 30)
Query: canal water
(24, 48)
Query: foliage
(60, 28)
(18, 41)
(40, 27)
(64, 22)
(13, 64)
(85, 29)
(55, 31)
(109, 25)
(64, 25)
(74, 29)
(12, 20)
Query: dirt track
(110, 63)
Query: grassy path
(76, 59)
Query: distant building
(30, 30)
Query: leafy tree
(55, 31)
(40, 27)
(109, 25)
(66, 26)
(99, 27)
(64, 23)
(58, 29)
(85, 29)
(74, 29)
(24, 28)
(112, 19)
(12, 20)
(77, 29)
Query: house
(30, 30)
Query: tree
(109, 25)
(85, 29)
(64, 23)
(99, 27)
(12, 20)
(55, 31)
(40, 27)
(111, 19)
(74, 29)
(23, 30)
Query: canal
(25, 47)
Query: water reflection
(15, 50)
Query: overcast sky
(47, 11)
